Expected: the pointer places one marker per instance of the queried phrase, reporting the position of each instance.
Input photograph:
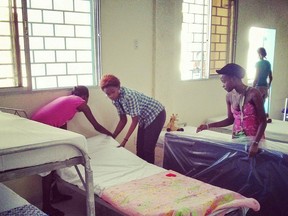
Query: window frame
(231, 41)
(95, 47)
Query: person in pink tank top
(244, 108)
(248, 124)
(61, 110)
(58, 113)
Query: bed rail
(83, 160)
(19, 112)
(285, 111)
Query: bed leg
(90, 205)
(90, 193)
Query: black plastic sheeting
(263, 177)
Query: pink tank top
(58, 112)
(249, 124)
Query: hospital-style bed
(277, 130)
(28, 147)
(215, 158)
(12, 204)
(128, 185)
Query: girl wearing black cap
(245, 108)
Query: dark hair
(109, 80)
(232, 70)
(80, 91)
(262, 51)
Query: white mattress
(111, 165)
(275, 131)
(9, 199)
(190, 131)
(18, 133)
(12, 204)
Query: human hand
(253, 150)
(123, 143)
(202, 127)
(114, 135)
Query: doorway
(260, 37)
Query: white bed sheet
(13, 204)
(21, 133)
(111, 165)
(9, 199)
(277, 130)
(190, 131)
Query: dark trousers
(147, 138)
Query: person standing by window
(263, 78)
(145, 111)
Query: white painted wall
(193, 101)
(127, 40)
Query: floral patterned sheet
(171, 193)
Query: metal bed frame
(104, 208)
(26, 171)
(285, 112)
(101, 206)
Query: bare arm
(223, 123)
(256, 77)
(257, 100)
(132, 127)
(121, 124)
(87, 112)
(270, 79)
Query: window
(207, 37)
(48, 44)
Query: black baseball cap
(232, 69)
